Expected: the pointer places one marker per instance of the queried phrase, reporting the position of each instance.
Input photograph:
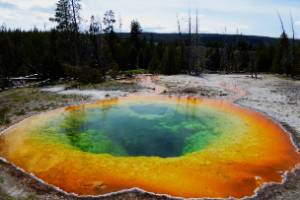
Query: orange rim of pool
(179, 146)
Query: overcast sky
(253, 17)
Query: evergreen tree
(95, 30)
(242, 58)
(171, 68)
(281, 62)
(63, 16)
(53, 66)
(148, 51)
(227, 60)
(213, 59)
(263, 58)
(297, 63)
(135, 33)
(67, 17)
(165, 61)
(110, 35)
(109, 21)
(154, 65)
(168, 63)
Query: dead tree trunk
(293, 52)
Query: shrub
(84, 74)
(4, 116)
(134, 72)
(3, 83)
(20, 112)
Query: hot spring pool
(179, 146)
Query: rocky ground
(277, 97)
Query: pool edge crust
(259, 192)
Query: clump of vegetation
(1, 179)
(190, 90)
(134, 72)
(3, 83)
(5, 196)
(4, 119)
(31, 197)
(84, 74)
(20, 112)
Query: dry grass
(20, 103)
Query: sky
(249, 17)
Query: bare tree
(76, 7)
(281, 22)
(196, 60)
(190, 26)
(190, 42)
(120, 23)
(178, 25)
(3, 28)
(284, 50)
(197, 27)
(225, 57)
(293, 52)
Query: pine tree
(168, 63)
(63, 16)
(95, 30)
(213, 59)
(281, 62)
(135, 33)
(297, 63)
(242, 58)
(110, 36)
(154, 65)
(109, 21)
(67, 17)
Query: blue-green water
(138, 130)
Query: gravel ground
(277, 97)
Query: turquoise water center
(139, 129)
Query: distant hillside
(207, 38)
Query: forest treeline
(94, 54)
